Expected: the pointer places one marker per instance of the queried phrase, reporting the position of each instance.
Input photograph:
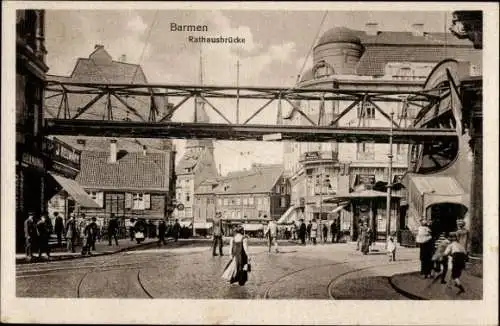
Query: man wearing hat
(71, 233)
(30, 235)
(217, 235)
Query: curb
(405, 293)
(22, 261)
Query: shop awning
(202, 225)
(438, 189)
(337, 209)
(253, 227)
(75, 191)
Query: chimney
(123, 58)
(418, 29)
(112, 151)
(144, 150)
(81, 142)
(98, 46)
(371, 28)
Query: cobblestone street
(184, 270)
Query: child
(440, 259)
(457, 252)
(391, 248)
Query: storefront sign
(33, 161)
(62, 153)
(312, 155)
(367, 179)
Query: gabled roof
(131, 171)
(257, 180)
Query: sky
(276, 45)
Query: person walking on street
(424, 240)
(462, 235)
(302, 232)
(314, 231)
(271, 233)
(71, 233)
(325, 233)
(43, 230)
(131, 231)
(94, 230)
(176, 230)
(89, 233)
(332, 230)
(30, 235)
(440, 259)
(458, 258)
(309, 226)
(217, 235)
(58, 228)
(239, 264)
(162, 230)
(112, 229)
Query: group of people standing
(435, 253)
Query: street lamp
(389, 181)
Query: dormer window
(322, 69)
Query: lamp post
(389, 181)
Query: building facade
(127, 184)
(364, 60)
(253, 196)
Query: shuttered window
(98, 197)
(138, 201)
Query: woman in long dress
(365, 239)
(424, 241)
(238, 247)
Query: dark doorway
(444, 217)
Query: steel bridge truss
(149, 122)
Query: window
(250, 201)
(219, 202)
(283, 201)
(237, 201)
(365, 151)
(226, 201)
(141, 201)
(188, 212)
(369, 111)
(98, 197)
(188, 197)
(245, 201)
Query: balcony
(319, 156)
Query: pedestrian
(112, 229)
(463, 235)
(302, 232)
(93, 229)
(240, 261)
(71, 233)
(176, 230)
(217, 235)
(314, 231)
(338, 234)
(131, 228)
(58, 228)
(458, 257)
(391, 248)
(271, 234)
(43, 231)
(325, 233)
(162, 229)
(424, 241)
(365, 239)
(30, 235)
(440, 259)
(332, 230)
(309, 226)
(89, 233)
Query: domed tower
(338, 49)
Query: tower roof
(339, 34)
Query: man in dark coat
(91, 234)
(162, 230)
(333, 230)
(309, 227)
(58, 228)
(31, 235)
(43, 228)
(112, 229)
(176, 230)
(217, 235)
(302, 232)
